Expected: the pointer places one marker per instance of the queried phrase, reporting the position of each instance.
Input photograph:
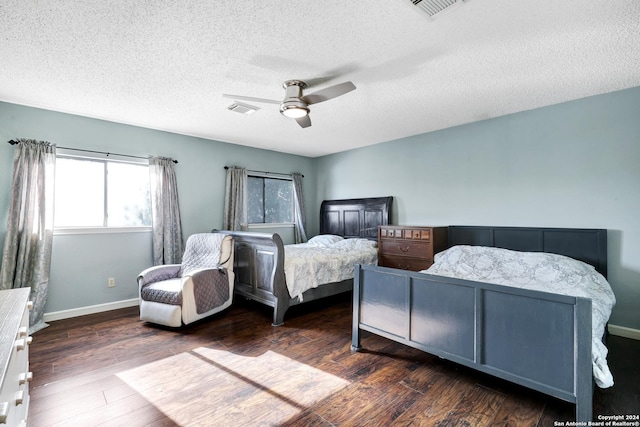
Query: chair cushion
(166, 292)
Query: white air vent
(241, 108)
(435, 7)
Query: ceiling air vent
(436, 7)
(241, 108)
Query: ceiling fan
(295, 105)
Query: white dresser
(14, 357)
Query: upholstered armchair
(178, 294)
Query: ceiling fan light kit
(295, 105)
(293, 111)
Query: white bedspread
(325, 259)
(538, 271)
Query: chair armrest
(158, 273)
(197, 271)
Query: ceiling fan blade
(249, 98)
(304, 122)
(330, 75)
(329, 93)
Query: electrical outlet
(111, 282)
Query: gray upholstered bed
(536, 339)
(259, 262)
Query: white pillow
(355, 243)
(325, 240)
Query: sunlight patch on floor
(206, 386)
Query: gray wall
(81, 264)
(570, 165)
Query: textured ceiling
(164, 64)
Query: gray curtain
(168, 243)
(235, 200)
(300, 218)
(26, 259)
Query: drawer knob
(4, 412)
(405, 249)
(30, 305)
(20, 344)
(25, 377)
(23, 331)
(19, 397)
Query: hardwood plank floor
(235, 369)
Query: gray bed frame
(259, 257)
(536, 339)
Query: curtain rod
(13, 142)
(265, 172)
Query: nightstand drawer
(405, 263)
(408, 248)
(391, 233)
(417, 234)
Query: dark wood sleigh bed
(536, 339)
(259, 257)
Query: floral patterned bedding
(538, 271)
(325, 259)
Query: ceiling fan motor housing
(293, 105)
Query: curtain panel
(26, 258)
(300, 234)
(235, 200)
(168, 242)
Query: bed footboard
(536, 339)
(259, 270)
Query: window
(101, 193)
(270, 200)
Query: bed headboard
(355, 217)
(583, 244)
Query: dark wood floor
(235, 369)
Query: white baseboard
(623, 331)
(92, 309)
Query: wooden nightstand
(409, 247)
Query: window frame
(104, 229)
(282, 177)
